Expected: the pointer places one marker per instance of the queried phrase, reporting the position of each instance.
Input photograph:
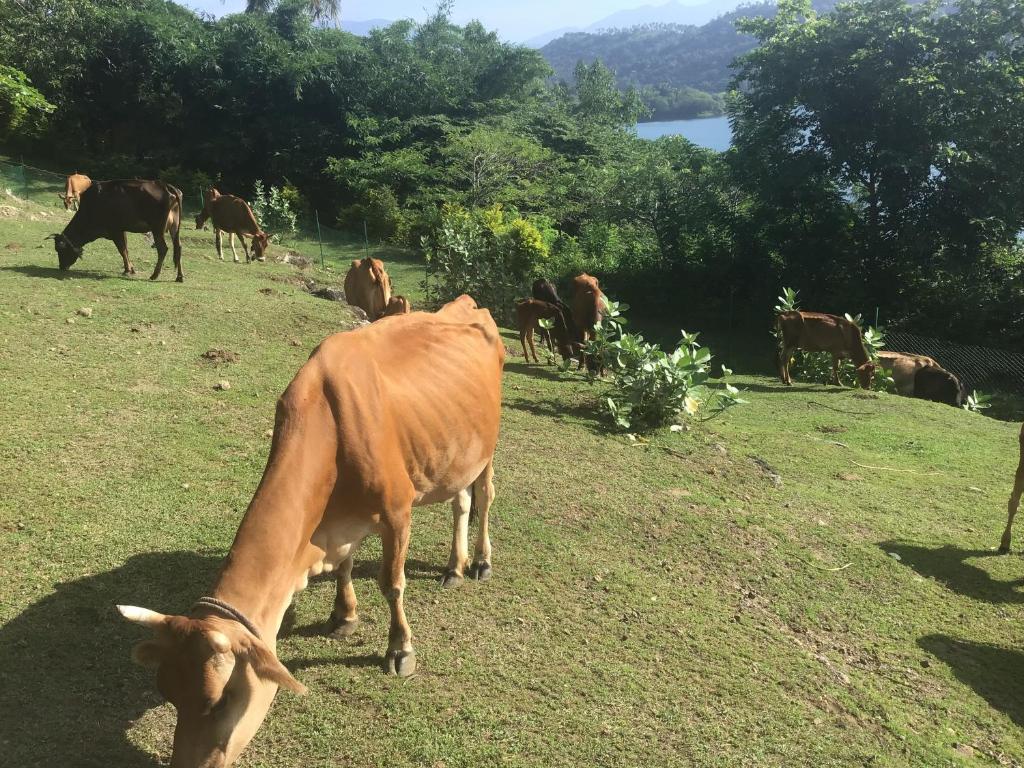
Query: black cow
(111, 208)
(939, 385)
(544, 290)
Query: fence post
(366, 241)
(876, 317)
(316, 213)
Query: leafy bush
(491, 254)
(23, 109)
(273, 211)
(652, 387)
(379, 210)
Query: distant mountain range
(362, 28)
(672, 12)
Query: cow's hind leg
(482, 498)
(176, 242)
(344, 619)
(835, 371)
(459, 557)
(400, 659)
(161, 253)
(1011, 508)
(121, 241)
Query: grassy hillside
(660, 603)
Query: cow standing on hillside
(375, 423)
(587, 310)
(233, 215)
(544, 290)
(75, 185)
(528, 313)
(368, 286)
(109, 209)
(1014, 504)
(818, 332)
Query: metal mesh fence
(982, 368)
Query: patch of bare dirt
(220, 356)
(13, 246)
(831, 429)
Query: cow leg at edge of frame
(835, 371)
(217, 240)
(522, 340)
(344, 619)
(400, 659)
(482, 498)
(121, 242)
(1011, 508)
(459, 557)
(231, 242)
(176, 242)
(245, 247)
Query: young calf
(1018, 490)
(818, 332)
(75, 185)
(528, 313)
(233, 215)
(904, 369)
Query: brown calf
(904, 368)
(1018, 490)
(399, 305)
(75, 185)
(233, 215)
(528, 313)
(818, 332)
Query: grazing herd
(374, 424)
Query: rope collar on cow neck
(219, 606)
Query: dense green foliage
(877, 160)
(22, 107)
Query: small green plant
(787, 301)
(549, 326)
(977, 402)
(652, 387)
(273, 211)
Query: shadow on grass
(68, 688)
(994, 673)
(536, 370)
(559, 410)
(797, 389)
(55, 274)
(949, 566)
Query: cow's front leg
(344, 619)
(483, 497)
(400, 658)
(231, 242)
(121, 241)
(459, 557)
(1011, 508)
(220, 245)
(835, 371)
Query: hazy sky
(514, 20)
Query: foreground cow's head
(67, 252)
(866, 375)
(220, 678)
(399, 305)
(260, 243)
(201, 219)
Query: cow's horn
(143, 616)
(54, 236)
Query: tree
(320, 11)
(22, 107)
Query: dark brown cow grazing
(587, 308)
(818, 332)
(368, 286)
(544, 290)
(233, 215)
(111, 208)
(399, 305)
(375, 423)
(939, 385)
(1018, 490)
(528, 313)
(75, 185)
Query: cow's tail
(174, 212)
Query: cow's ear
(148, 653)
(268, 667)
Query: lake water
(711, 132)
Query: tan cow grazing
(587, 308)
(233, 215)
(818, 332)
(904, 368)
(368, 286)
(75, 185)
(1018, 490)
(375, 423)
(528, 313)
(399, 305)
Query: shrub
(379, 210)
(273, 211)
(652, 387)
(491, 254)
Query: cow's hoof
(451, 579)
(154, 276)
(1004, 550)
(400, 663)
(179, 279)
(480, 571)
(345, 628)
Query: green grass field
(659, 603)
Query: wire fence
(982, 368)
